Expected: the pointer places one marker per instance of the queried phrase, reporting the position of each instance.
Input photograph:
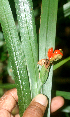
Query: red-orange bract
(54, 56)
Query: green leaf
(28, 35)
(47, 27)
(16, 55)
(64, 94)
(60, 63)
(47, 39)
(47, 88)
(66, 9)
(8, 86)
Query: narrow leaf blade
(15, 54)
(47, 39)
(29, 41)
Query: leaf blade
(15, 53)
(47, 39)
(60, 63)
(29, 41)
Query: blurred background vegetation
(61, 76)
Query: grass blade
(64, 94)
(16, 55)
(47, 39)
(60, 63)
(29, 40)
(7, 86)
(66, 9)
